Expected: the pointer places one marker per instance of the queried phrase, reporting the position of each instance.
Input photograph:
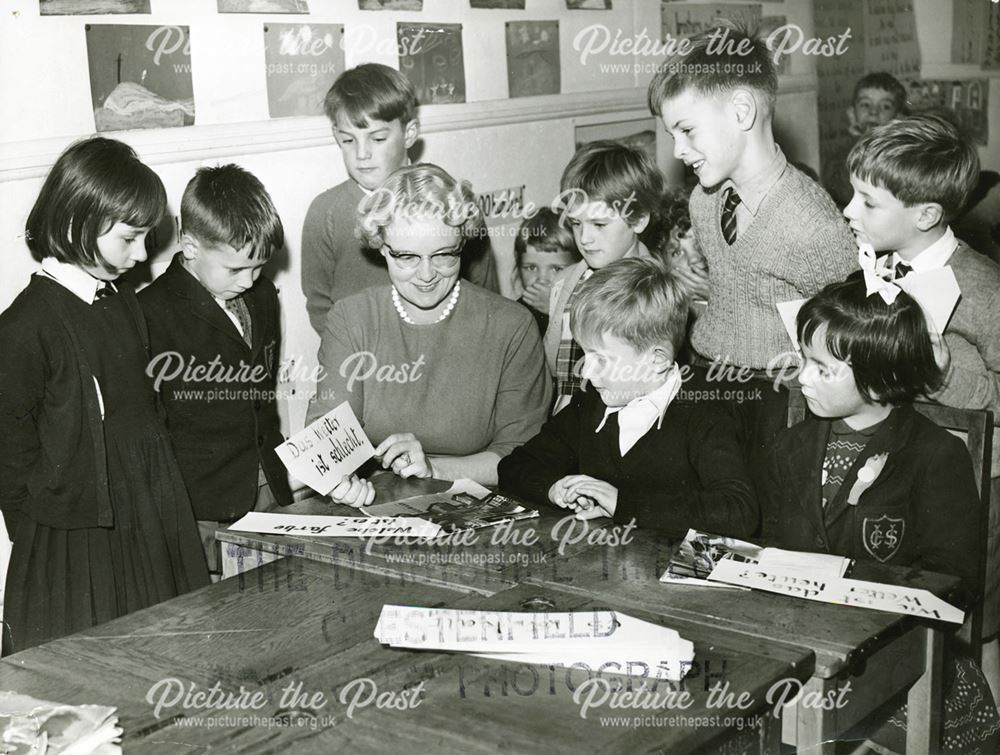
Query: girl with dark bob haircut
(887, 345)
(95, 183)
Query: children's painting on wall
(263, 6)
(430, 56)
(639, 133)
(991, 43)
(532, 58)
(964, 102)
(689, 20)
(302, 60)
(505, 4)
(588, 4)
(91, 7)
(391, 4)
(140, 76)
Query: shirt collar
(79, 282)
(661, 398)
(933, 257)
(752, 192)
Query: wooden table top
(311, 625)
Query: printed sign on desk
(331, 447)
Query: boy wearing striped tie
(608, 194)
(769, 233)
(213, 313)
(631, 445)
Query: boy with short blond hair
(630, 445)
(373, 110)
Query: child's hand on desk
(353, 491)
(587, 496)
(403, 454)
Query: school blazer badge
(882, 536)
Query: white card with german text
(331, 447)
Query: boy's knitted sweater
(797, 243)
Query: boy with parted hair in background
(213, 309)
(373, 109)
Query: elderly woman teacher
(446, 377)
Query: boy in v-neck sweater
(769, 233)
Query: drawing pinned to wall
(588, 4)
(967, 26)
(430, 56)
(966, 102)
(767, 26)
(689, 20)
(91, 7)
(533, 58)
(891, 38)
(836, 77)
(505, 4)
(302, 60)
(991, 44)
(263, 6)
(639, 133)
(390, 4)
(140, 76)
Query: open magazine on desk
(465, 505)
(700, 552)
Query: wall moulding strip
(32, 159)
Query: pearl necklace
(452, 301)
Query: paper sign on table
(592, 637)
(331, 447)
(848, 592)
(335, 526)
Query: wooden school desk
(485, 567)
(309, 631)
(879, 654)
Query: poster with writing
(968, 24)
(767, 26)
(532, 58)
(91, 7)
(302, 61)
(891, 38)
(430, 56)
(140, 76)
(688, 20)
(966, 101)
(321, 454)
(836, 77)
(391, 4)
(991, 43)
(263, 6)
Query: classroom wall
(45, 103)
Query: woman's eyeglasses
(443, 262)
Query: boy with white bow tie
(636, 448)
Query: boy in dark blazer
(631, 445)
(215, 335)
